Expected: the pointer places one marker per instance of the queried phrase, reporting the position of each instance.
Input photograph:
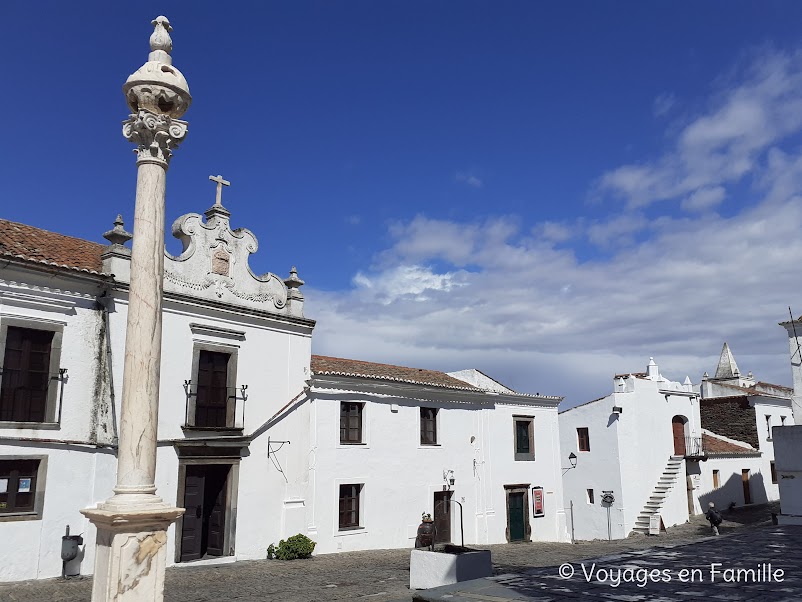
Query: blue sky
(551, 193)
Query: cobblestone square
(522, 571)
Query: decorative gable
(214, 264)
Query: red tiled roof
(27, 242)
(338, 366)
(716, 445)
(635, 374)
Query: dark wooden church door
(203, 529)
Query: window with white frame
(428, 426)
(351, 431)
(349, 503)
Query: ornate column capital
(155, 136)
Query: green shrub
(297, 546)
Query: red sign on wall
(537, 501)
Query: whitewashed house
(257, 439)
(391, 442)
(738, 415)
(636, 452)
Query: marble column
(132, 524)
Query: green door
(517, 514)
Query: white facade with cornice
(269, 462)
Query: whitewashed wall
(400, 475)
(76, 474)
(629, 452)
(273, 360)
(597, 469)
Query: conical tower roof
(727, 368)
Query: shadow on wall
(734, 490)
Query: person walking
(714, 516)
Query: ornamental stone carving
(214, 264)
(155, 136)
(157, 86)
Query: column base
(131, 552)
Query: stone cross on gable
(220, 183)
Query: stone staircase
(667, 480)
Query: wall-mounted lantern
(572, 459)
(448, 477)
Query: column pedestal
(131, 553)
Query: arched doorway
(678, 429)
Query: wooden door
(517, 516)
(215, 509)
(211, 402)
(442, 517)
(192, 525)
(203, 527)
(747, 491)
(678, 428)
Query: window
(18, 486)
(583, 438)
(26, 375)
(349, 506)
(524, 437)
(428, 426)
(214, 400)
(591, 497)
(773, 473)
(768, 426)
(350, 422)
(211, 402)
(716, 479)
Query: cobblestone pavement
(754, 565)
(376, 576)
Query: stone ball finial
(157, 86)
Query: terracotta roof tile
(21, 240)
(715, 445)
(322, 364)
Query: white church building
(257, 438)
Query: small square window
(349, 506)
(524, 437)
(591, 497)
(428, 426)
(351, 422)
(18, 480)
(583, 438)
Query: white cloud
(514, 300)
(726, 142)
(469, 179)
(704, 199)
(663, 104)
